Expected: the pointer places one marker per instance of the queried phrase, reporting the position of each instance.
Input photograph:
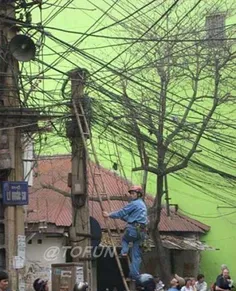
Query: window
(39, 241)
(215, 29)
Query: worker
(145, 282)
(3, 281)
(135, 214)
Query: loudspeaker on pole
(22, 48)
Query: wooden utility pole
(81, 111)
(12, 167)
(80, 232)
(9, 98)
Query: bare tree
(174, 85)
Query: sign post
(15, 193)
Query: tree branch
(191, 102)
(51, 187)
(184, 163)
(138, 134)
(148, 169)
(91, 198)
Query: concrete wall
(40, 254)
(185, 263)
(150, 262)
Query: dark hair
(200, 276)
(39, 284)
(3, 275)
(82, 286)
(139, 194)
(145, 282)
(187, 280)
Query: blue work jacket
(134, 211)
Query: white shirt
(159, 286)
(184, 288)
(201, 286)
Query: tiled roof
(53, 207)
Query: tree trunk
(155, 215)
(163, 259)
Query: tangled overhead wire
(168, 57)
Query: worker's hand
(105, 214)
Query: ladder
(87, 133)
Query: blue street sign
(15, 193)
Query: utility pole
(14, 215)
(11, 165)
(80, 232)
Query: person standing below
(145, 282)
(193, 284)
(135, 214)
(181, 281)
(201, 285)
(82, 286)
(159, 284)
(4, 281)
(188, 285)
(224, 281)
(222, 268)
(40, 285)
(174, 285)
